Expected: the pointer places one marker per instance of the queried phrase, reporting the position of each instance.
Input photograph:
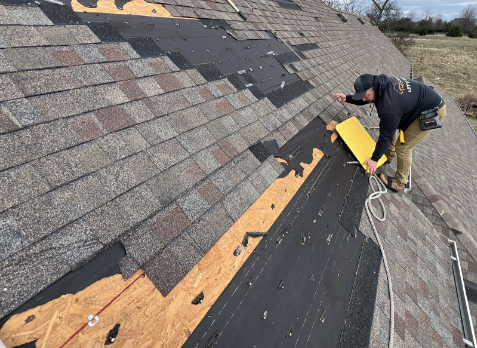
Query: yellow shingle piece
(358, 140)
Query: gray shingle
(80, 197)
(128, 267)
(27, 15)
(66, 166)
(16, 36)
(254, 132)
(240, 199)
(222, 127)
(138, 111)
(149, 86)
(58, 35)
(83, 34)
(186, 251)
(124, 174)
(206, 159)
(193, 204)
(142, 243)
(185, 120)
(210, 227)
(46, 81)
(7, 121)
(6, 17)
(140, 68)
(19, 184)
(92, 74)
(11, 238)
(5, 64)
(89, 53)
(165, 271)
(38, 217)
(192, 96)
(109, 221)
(247, 162)
(124, 143)
(196, 139)
(167, 103)
(138, 203)
(171, 183)
(31, 58)
(23, 111)
(167, 154)
(8, 90)
(157, 130)
(221, 181)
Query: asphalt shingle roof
(100, 143)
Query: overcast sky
(449, 9)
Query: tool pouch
(430, 120)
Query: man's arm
(387, 127)
(348, 98)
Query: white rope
(381, 189)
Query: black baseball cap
(361, 85)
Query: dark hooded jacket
(398, 102)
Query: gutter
(469, 334)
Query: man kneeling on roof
(403, 104)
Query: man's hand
(372, 165)
(340, 97)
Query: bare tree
(380, 10)
(468, 17)
(352, 6)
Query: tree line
(388, 16)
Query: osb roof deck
(100, 145)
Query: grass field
(450, 63)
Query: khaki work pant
(413, 136)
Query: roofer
(403, 104)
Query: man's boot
(391, 183)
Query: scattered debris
(302, 239)
(264, 316)
(198, 299)
(282, 85)
(241, 72)
(328, 239)
(253, 235)
(312, 279)
(322, 210)
(238, 251)
(281, 286)
(112, 335)
(273, 206)
(249, 85)
(323, 316)
(249, 283)
(212, 342)
(289, 332)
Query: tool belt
(430, 118)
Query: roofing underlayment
(170, 176)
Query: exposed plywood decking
(147, 318)
(133, 7)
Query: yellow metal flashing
(358, 140)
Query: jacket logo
(400, 85)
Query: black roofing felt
(307, 46)
(31, 344)
(145, 47)
(209, 71)
(359, 315)
(260, 151)
(89, 3)
(105, 31)
(353, 207)
(179, 60)
(295, 289)
(59, 14)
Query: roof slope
(101, 142)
